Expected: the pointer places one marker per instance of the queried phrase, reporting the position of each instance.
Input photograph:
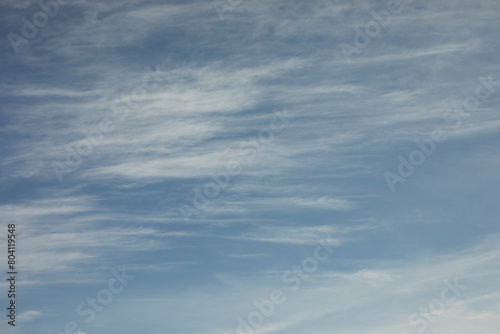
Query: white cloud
(29, 315)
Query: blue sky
(212, 151)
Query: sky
(250, 166)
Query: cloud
(216, 87)
(384, 293)
(29, 315)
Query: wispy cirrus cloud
(218, 84)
